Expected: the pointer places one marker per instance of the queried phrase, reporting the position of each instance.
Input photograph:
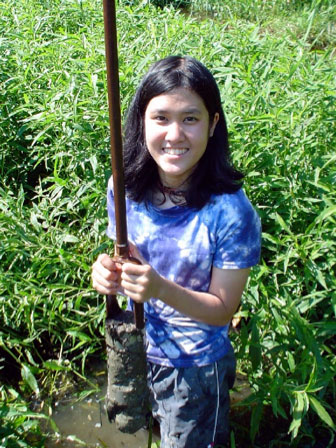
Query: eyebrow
(193, 110)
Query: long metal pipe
(111, 50)
(112, 67)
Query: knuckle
(144, 284)
(147, 268)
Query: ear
(213, 125)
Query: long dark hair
(214, 173)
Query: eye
(160, 118)
(190, 119)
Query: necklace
(176, 195)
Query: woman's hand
(106, 275)
(140, 281)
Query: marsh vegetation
(275, 63)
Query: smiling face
(177, 130)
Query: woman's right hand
(106, 275)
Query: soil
(127, 393)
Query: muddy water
(87, 422)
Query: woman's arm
(215, 307)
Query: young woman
(197, 236)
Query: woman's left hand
(140, 281)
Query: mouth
(175, 151)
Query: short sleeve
(238, 238)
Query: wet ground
(85, 423)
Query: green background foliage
(275, 65)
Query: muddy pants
(192, 404)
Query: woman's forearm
(215, 307)
(202, 306)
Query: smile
(175, 151)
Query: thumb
(106, 261)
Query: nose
(175, 132)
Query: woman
(197, 236)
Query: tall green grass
(275, 65)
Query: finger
(135, 287)
(134, 295)
(102, 280)
(133, 269)
(108, 274)
(106, 261)
(103, 289)
(103, 285)
(129, 281)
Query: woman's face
(177, 130)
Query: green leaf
(79, 335)
(291, 362)
(330, 211)
(232, 440)
(54, 365)
(321, 411)
(297, 414)
(255, 420)
(70, 239)
(283, 224)
(29, 378)
(255, 349)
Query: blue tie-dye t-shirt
(182, 244)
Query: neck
(170, 195)
(178, 191)
(173, 183)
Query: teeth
(175, 151)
